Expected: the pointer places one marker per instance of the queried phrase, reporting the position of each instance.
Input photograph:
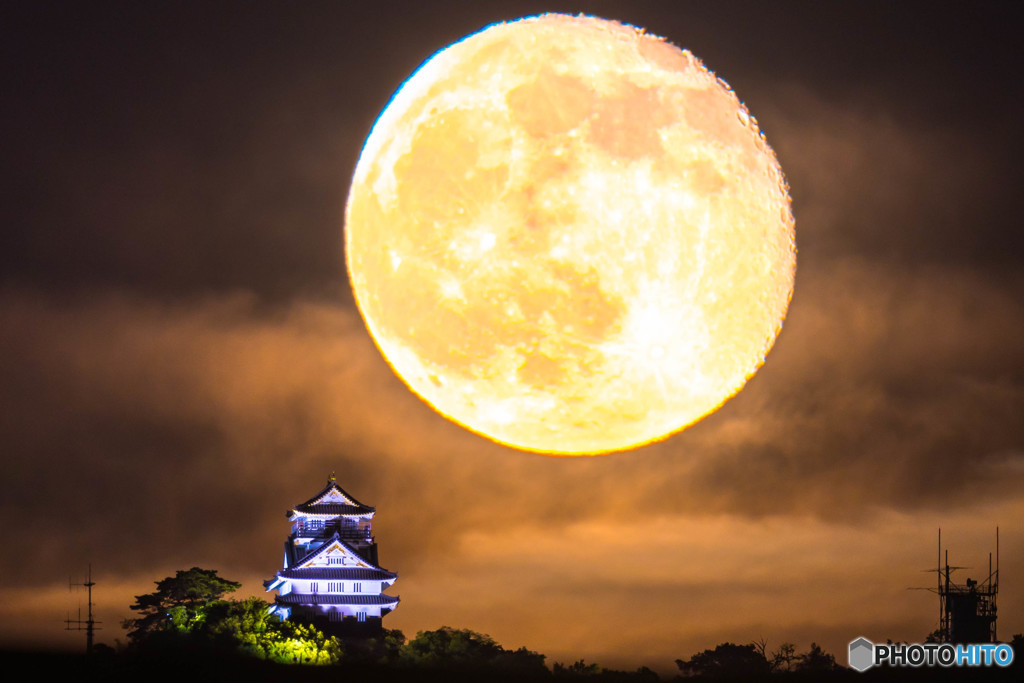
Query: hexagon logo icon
(862, 654)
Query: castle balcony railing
(327, 530)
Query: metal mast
(89, 625)
(967, 611)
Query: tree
(1017, 643)
(178, 603)
(816, 660)
(293, 643)
(726, 661)
(521, 662)
(646, 674)
(247, 625)
(384, 649)
(450, 648)
(784, 658)
(577, 668)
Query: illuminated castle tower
(330, 576)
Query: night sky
(181, 359)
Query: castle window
(314, 587)
(362, 616)
(357, 588)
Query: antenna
(89, 626)
(995, 590)
(967, 611)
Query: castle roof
(337, 573)
(313, 567)
(335, 599)
(332, 500)
(332, 509)
(335, 543)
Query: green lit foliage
(391, 641)
(449, 648)
(187, 607)
(292, 643)
(248, 625)
(384, 649)
(178, 603)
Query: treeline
(753, 661)
(188, 630)
(189, 613)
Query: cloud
(163, 424)
(651, 588)
(170, 421)
(892, 187)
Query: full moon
(569, 236)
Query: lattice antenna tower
(967, 612)
(89, 625)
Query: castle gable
(335, 553)
(334, 495)
(333, 501)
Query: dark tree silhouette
(1017, 643)
(577, 668)
(785, 658)
(384, 649)
(816, 660)
(450, 647)
(726, 661)
(599, 674)
(779, 661)
(177, 602)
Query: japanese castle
(330, 576)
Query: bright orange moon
(569, 236)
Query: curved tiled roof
(337, 573)
(311, 506)
(334, 599)
(333, 509)
(326, 547)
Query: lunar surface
(569, 236)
